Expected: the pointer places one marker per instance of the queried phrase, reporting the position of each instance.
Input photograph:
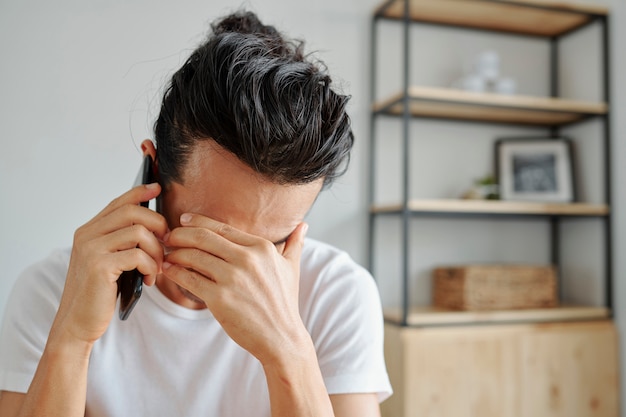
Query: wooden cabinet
(512, 370)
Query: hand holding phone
(130, 283)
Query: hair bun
(243, 22)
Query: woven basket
(494, 287)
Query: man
(245, 317)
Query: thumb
(295, 242)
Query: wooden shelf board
(490, 107)
(529, 17)
(496, 207)
(431, 316)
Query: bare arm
(296, 386)
(10, 403)
(288, 400)
(351, 405)
(59, 386)
(344, 405)
(121, 237)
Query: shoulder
(37, 291)
(44, 277)
(340, 306)
(30, 310)
(334, 286)
(322, 258)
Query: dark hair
(258, 96)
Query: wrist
(62, 343)
(295, 382)
(294, 351)
(59, 386)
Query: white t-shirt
(167, 360)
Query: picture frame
(535, 169)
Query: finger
(131, 259)
(295, 243)
(130, 214)
(135, 196)
(226, 231)
(203, 239)
(132, 237)
(149, 279)
(206, 264)
(190, 280)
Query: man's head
(259, 97)
(249, 132)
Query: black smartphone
(130, 283)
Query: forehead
(216, 184)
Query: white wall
(80, 84)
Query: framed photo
(535, 169)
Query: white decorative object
(483, 75)
(506, 86)
(474, 83)
(487, 65)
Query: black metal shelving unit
(407, 13)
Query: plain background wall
(80, 84)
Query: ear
(147, 148)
